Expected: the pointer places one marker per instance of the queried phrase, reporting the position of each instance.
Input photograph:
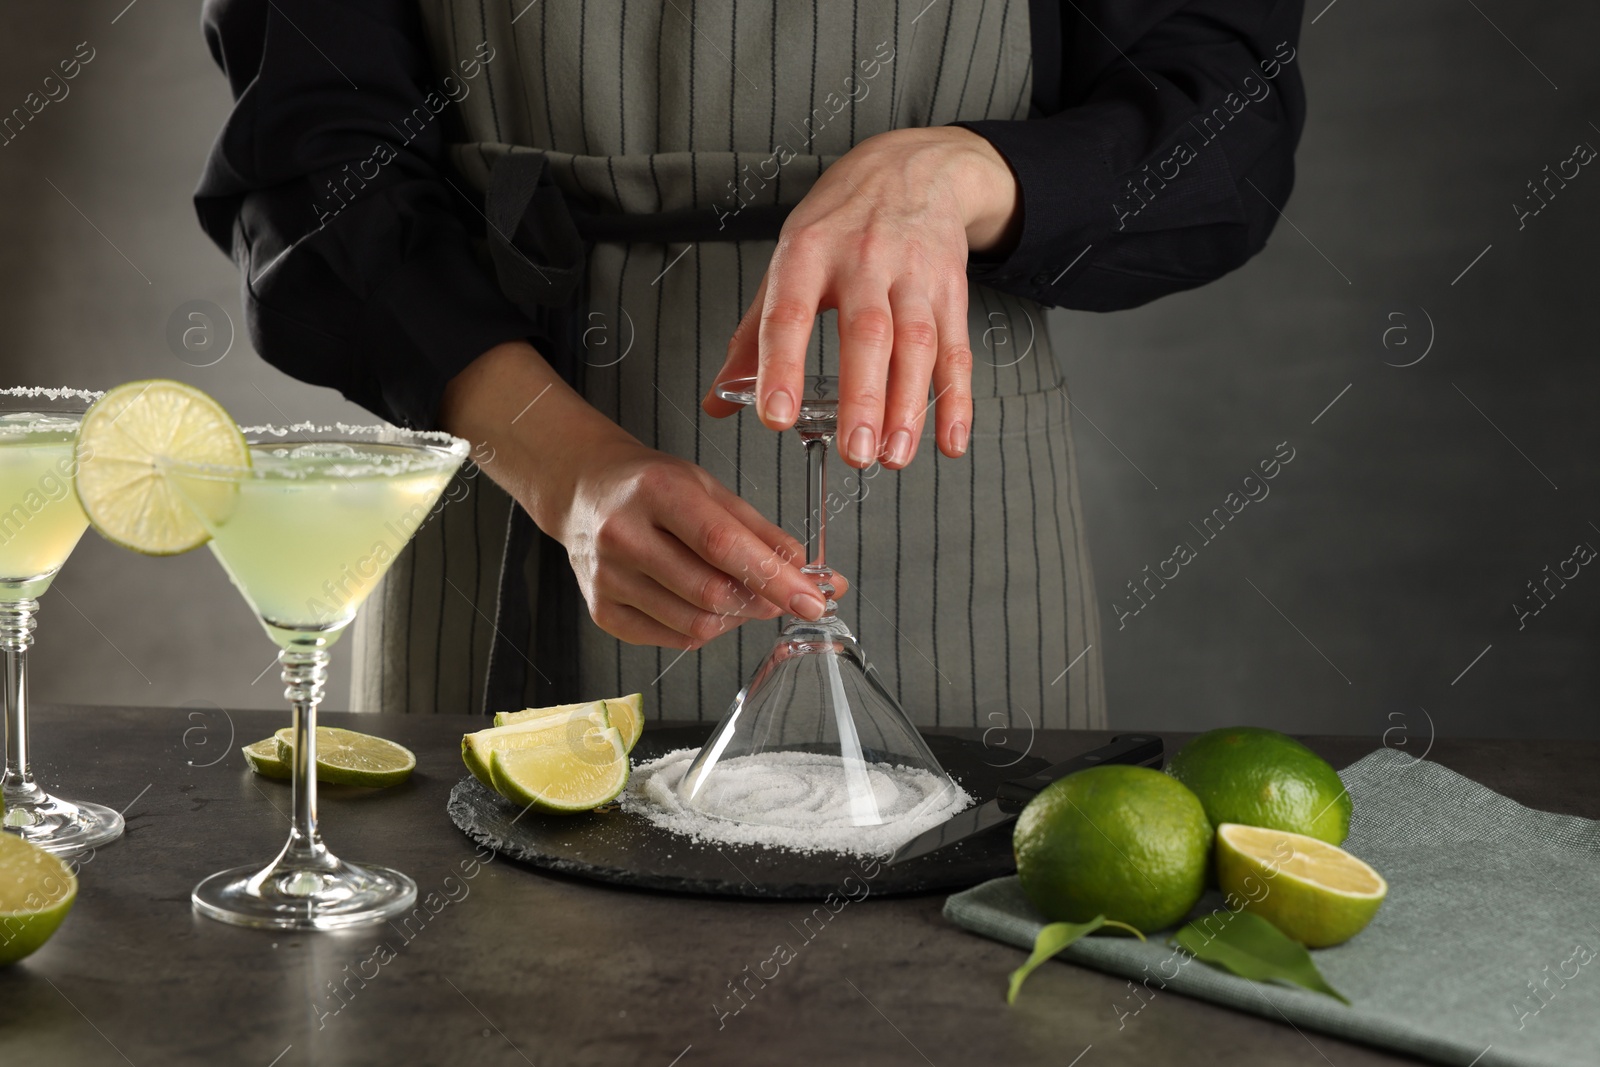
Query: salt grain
(801, 798)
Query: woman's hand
(883, 238)
(667, 555)
(664, 553)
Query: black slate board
(622, 849)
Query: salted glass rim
(60, 399)
(26, 410)
(435, 443)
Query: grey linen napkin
(1486, 952)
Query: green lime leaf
(1251, 947)
(1052, 939)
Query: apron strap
(758, 222)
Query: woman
(538, 225)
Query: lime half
(36, 892)
(263, 759)
(120, 441)
(1315, 892)
(627, 715)
(345, 757)
(561, 728)
(563, 777)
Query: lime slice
(1315, 892)
(563, 777)
(345, 757)
(36, 892)
(627, 715)
(562, 728)
(263, 759)
(120, 484)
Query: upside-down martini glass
(815, 693)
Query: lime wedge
(563, 777)
(560, 728)
(119, 481)
(627, 715)
(263, 759)
(1315, 892)
(36, 892)
(517, 718)
(345, 757)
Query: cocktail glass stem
(59, 826)
(305, 675)
(17, 623)
(816, 445)
(305, 887)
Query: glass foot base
(324, 893)
(62, 826)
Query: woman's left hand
(883, 238)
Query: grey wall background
(1421, 503)
(1371, 590)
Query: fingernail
(780, 405)
(863, 444)
(806, 606)
(899, 447)
(958, 438)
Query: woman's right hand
(667, 555)
(664, 553)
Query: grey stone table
(518, 967)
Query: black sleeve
(1155, 163)
(328, 187)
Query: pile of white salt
(793, 800)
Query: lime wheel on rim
(123, 438)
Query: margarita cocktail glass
(40, 523)
(305, 533)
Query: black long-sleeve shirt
(1124, 196)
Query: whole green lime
(1244, 774)
(1125, 842)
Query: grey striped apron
(971, 584)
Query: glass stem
(816, 445)
(16, 634)
(305, 673)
